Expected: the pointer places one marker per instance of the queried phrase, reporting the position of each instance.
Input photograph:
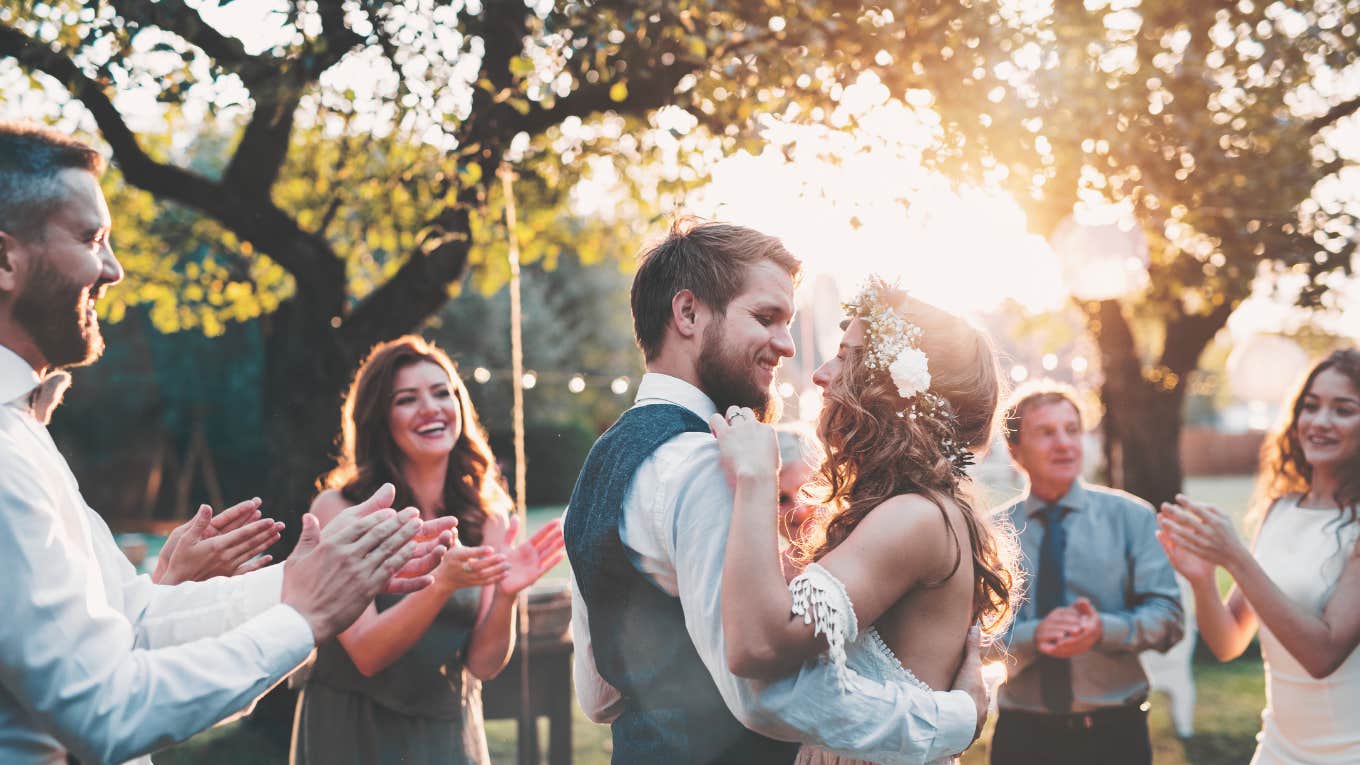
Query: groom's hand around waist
(969, 678)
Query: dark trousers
(1107, 737)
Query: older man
(94, 660)
(1101, 592)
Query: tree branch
(643, 95)
(420, 286)
(1334, 115)
(307, 257)
(177, 17)
(1188, 334)
(259, 157)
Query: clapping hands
(225, 544)
(529, 560)
(1197, 538)
(1069, 631)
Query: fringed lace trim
(888, 656)
(821, 599)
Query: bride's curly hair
(874, 454)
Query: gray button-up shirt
(1112, 559)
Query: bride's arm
(898, 545)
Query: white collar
(17, 378)
(656, 387)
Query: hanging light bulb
(619, 386)
(481, 375)
(576, 384)
(529, 380)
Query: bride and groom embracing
(691, 638)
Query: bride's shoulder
(904, 517)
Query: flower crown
(892, 345)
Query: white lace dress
(822, 601)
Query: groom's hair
(709, 259)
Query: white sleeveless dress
(821, 599)
(1306, 721)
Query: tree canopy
(336, 167)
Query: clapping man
(95, 661)
(1101, 592)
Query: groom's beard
(728, 379)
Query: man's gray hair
(31, 157)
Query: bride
(898, 566)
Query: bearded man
(95, 661)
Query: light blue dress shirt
(1114, 560)
(94, 659)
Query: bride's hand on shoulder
(748, 446)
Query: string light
(1050, 362)
(574, 382)
(1019, 373)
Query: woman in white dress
(898, 567)
(1301, 581)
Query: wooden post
(527, 730)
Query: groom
(646, 533)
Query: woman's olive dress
(424, 708)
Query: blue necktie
(1055, 675)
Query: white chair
(1171, 672)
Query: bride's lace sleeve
(820, 598)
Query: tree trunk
(1142, 436)
(307, 369)
(1144, 404)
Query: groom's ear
(685, 313)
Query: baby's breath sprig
(892, 346)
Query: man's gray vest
(672, 711)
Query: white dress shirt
(674, 528)
(94, 659)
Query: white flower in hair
(910, 372)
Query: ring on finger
(467, 567)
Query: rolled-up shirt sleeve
(165, 615)
(1155, 619)
(601, 701)
(73, 663)
(854, 716)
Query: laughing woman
(1301, 578)
(403, 684)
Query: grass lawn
(1227, 712)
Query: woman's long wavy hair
(873, 454)
(1284, 470)
(369, 457)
